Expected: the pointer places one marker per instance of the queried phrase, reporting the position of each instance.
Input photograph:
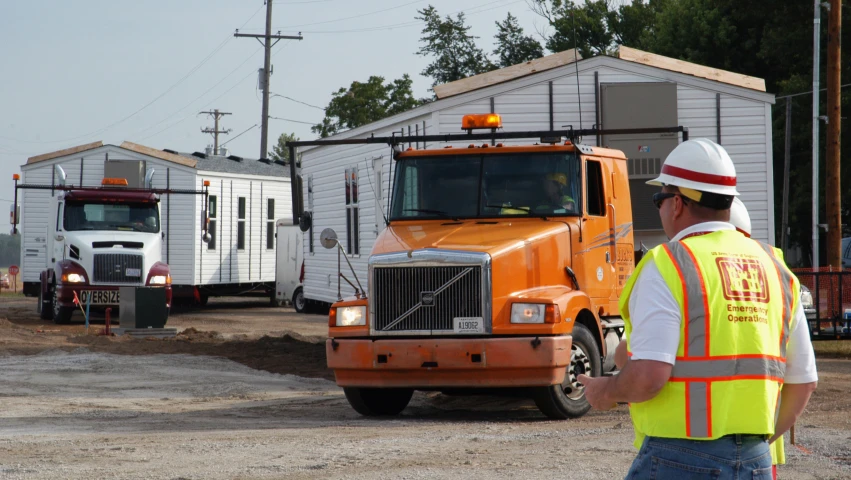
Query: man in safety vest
(714, 329)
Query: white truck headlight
(351, 316)
(528, 313)
(806, 298)
(160, 279)
(73, 278)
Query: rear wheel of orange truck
(373, 402)
(567, 400)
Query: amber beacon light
(486, 120)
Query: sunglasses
(660, 197)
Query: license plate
(99, 297)
(468, 325)
(133, 272)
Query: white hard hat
(739, 217)
(701, 165)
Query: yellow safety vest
(737, 300)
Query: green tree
(364, 103)
(10, 249)
(512, 47)
(455, 53)
(280, 152)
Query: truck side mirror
(328, 238)
(305, 221)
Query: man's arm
(638, 381)
(793, 400)
(621, 355)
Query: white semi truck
(101, 238)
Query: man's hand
(596, 390)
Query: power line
(169, 89)
(234, 138)
(349, 18)
(294, 121)
(297, 101)
(470, 11)
(810, 92)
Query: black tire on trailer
(567, 400)
(203, 299)
(61, 315)
(45, 306)
(375, 402)
(299, 302)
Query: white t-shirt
(655, 316)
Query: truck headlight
(351, 316)
(806, 298)
(73, 278)
(528, 313)
(160, 280)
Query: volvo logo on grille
(118, 269)
(427, 299)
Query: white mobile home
(246, 197)
(347, 187)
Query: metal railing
(830, 317)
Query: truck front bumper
(65, 294)
(449, 362)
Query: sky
(113, 70)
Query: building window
(352, 213)
(310, 208)
(240, 225)
(270, 223)
(211, 227)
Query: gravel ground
(80, 407)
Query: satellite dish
(328, 238)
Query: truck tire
(567, 400)
(45, 307)
(299, 302)
(374, 402)
(61, 315)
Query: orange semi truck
(500, 270)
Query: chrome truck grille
(118, 268)
(423, 293)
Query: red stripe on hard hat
(698, 176)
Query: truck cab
(102, 239)
(501, 268)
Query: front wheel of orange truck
(567, 400)
(374, 402)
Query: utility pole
(816, 120)
(267, 45)
(834, 129)
(215, 131)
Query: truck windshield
(130, 217)
(475, 186)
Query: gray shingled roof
(235, 164)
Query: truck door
(597, 249)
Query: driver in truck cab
(555, 185)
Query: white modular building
(347, 187)
(245, 199)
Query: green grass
(832, 348)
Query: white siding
(227, 264)
(524, 105)
(328, 166)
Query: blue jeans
(737, 457)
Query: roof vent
(199, 154)
(235, 158)
(267, 161)
(280, 162)
(170, 151)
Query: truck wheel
(373, 402)
(567, 400)
(45, 307)
(299, 302)
(61, 315)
